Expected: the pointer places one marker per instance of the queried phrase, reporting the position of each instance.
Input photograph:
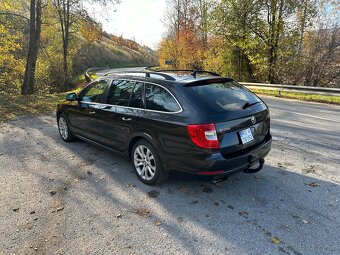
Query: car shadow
(277, 210)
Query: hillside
(113, 51)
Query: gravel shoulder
(76, 198)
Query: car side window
(136, 96)
(120, 92)
(159, 99)
(95, 93)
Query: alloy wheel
(144, 162)
(63, 128)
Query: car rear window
(219, 97)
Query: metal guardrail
(292, 88)
(262, 86)
(93, 70)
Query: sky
(139, 20)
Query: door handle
(92, 112)
(126, 119)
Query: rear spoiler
(192, 72)
(208, 81)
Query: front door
(83, 119)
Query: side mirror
(71, 97)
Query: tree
(13, 23)
(68, 12)
(186, 39)
(64, 9)
(35, 31)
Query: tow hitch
(256, 167)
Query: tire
(146, 163)
(64, 129)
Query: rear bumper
(216, 164)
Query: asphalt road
(75, 198)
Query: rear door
(124, 105)
(240, 117)
(83, 118)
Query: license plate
(246, 136)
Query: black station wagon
(193, 121)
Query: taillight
(204, 136)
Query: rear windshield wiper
(246, 105)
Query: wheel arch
(59, 111)
(140, 136)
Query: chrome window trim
(143, 109)
(127, 107)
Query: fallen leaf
(59, 209)
(158, 223)
(309, 169)
(53, 192)
(276, 240)
(312, 184)
(242, 213)
(142, 212)
(281, 165)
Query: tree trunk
(35, 31)
(63, 9)
(276, 24)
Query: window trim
(142, 109)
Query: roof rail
(147, 74)
(99, 71)
(192, 72)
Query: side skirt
(98, 144)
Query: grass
(13, 106)
(300, 96)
